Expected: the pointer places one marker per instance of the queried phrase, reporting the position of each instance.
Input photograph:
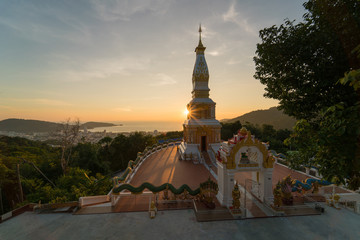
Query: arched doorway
(203, 143)
(247, 155)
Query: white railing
(83, 201)
(210, 170)
(144, 156)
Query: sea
(140, 127)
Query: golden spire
(200, 31)
(200, 46)
(200, 77)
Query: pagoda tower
(201, 129)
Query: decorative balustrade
(89, 200)
(141, 157)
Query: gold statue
(152, 210)
(236, 197)
(166, 193)
(316, 187)
(277, 195)
(186, 194)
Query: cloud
(213, 53)
(50, 102)
(236, 17)
(233, 61)
(219, 50)
(6, 107)
(41, 101)
(162, 79)
(60, 24)
(114, 10)
(99, 68)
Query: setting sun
(186, 112)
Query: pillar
(267, 186)
(225, 184)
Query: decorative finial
(200, 32)
(200, 45)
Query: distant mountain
(271, 116)
(28, 126)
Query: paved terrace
(181, 224)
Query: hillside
(271, 116)
(28, 126)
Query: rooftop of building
(179, 224)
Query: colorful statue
(316, 187)
(244, 158)
(152, 210)
(208, 191)
(166, 193)
(277, 195)
(236, 197)
(286, 189)
(333, 199)
(186, 194)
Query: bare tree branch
(69, 135)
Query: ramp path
(165, 166)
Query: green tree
(85, 155)
(268, 132)
(76, 183)
(123, 149)
(229, 129)
(103, 153)
(300, 65)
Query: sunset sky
(130, 60)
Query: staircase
(209, 163)
(207, 158)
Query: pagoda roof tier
(202, 122)
(202, 100)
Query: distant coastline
(37, 126)
(92, 125)
(141, 127)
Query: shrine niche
(208, 191)
(244, 153)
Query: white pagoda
(201, 129)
